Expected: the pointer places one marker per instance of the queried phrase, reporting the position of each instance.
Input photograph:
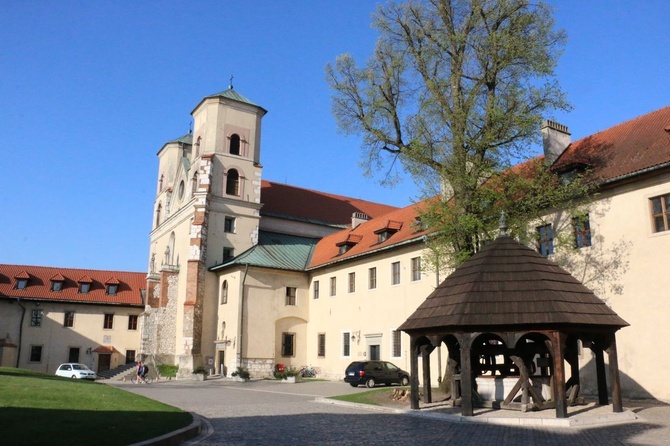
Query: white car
(74, 370)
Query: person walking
(140, 372)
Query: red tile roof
(311, 205)
(627, 148)
(404, 219)
(130, 285)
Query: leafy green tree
(455, 90)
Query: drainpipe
(240, 330)
(439, 349)
(23, 314)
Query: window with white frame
(290, 295)
(395, 273)
(316, 289)
(333, 286)
(396, 344)
(352, 282)
(68, 319)
(346, 344)
(321, 342)
(372, 278)
(36, 318)
(416, 269)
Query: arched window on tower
(194, 184)
(160, 183)
(196, 152)
(158, 214)
(224, 292)
(171, 248)
(233, 183)
(235, 144)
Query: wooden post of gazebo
(414, 372)
(465, 343)
(597, 350)
(557, 345)
(617, 405)
(425, 363)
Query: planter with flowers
(289, 376)
(241, 374)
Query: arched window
(235, 144)
(194, 184)
(233, 183)
(158, 214)
(197, 148)
(160, 183)
(224, 293)
(171, 248)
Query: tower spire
(231, 82)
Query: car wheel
(353, 384)
(404, 381)
(370, 383)
(74, 376)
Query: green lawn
(39, 409)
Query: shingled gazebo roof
(506, 285)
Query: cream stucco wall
(86, 333)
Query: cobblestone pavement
(270, 413)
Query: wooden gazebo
(509, 311)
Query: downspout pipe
(23, 315)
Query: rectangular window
(130, 356)
(21, 284)
(316, 289)
(84, 288)
(109, 322)
(229, 224)
(68, 320)
(396, 348)
(581, 227)
(333, 286)
(290, 295)
(228, 253)
(545, 240)
(132, 322)
(352, 282)
(660, 213)
(287, 344)
(372, 278)
(112, 289)
(321, 341)
(57, 285)
(35, 353)
(36, 318)
(395, 273)
(346, 344)
(416, 269)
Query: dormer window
(21, 280)
(388, 230)
(112, 286)
(57, 283)
(85, 285)
(348, 243)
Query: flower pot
(199, 376)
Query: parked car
(75, 370)
(372, 373)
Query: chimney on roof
(555, 139)
(357, 218)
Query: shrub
(167, 370)
(200, 370)
(242, 373)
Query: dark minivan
(372, 373)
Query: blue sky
(91, 90)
